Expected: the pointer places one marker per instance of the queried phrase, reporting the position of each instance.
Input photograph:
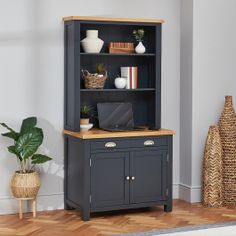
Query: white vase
(120, 83)
(140, 48)
(92, 44)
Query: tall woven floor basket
(212, 169)
(227, 126)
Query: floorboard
(69, 223)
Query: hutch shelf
(115, 170)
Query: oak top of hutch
(114, 19)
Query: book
(131, 74)
(121, 47)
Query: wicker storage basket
(94, 81)
(227, 126)
(25, 186)
(212, 169)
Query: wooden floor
(57, 223)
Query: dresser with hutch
(115, 170)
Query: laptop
(116, 117)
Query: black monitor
(115, 115)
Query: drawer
(108, 144)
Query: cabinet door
(148, 173)
(109, 186)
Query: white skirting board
(54, 201)
(190, 193)
(175, 191)
(9, 205)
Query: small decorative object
(119, 47)
(212, 169)
(86, 112)
(25, 182)
(96, 80)
(120, 82)
(139, 35)
(131, 75)
(227, 124)
(85, 127)
(140, 49)
(92, 44)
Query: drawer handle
(148, 143)
(110, 144)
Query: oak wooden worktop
(114, 19)
(98, 133)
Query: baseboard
(53, 201)
(175, 191)
(190, 193)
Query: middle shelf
(118, 90)
(119, 54)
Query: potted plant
(86, 112)
(95, 80)
(139, 35)
(101, 69)
(25, 183)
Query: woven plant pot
(212, 169)
(94, 81)
(227, 126)
(25, 186)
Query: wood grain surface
(98, 133)
(69, 223)
(114, 19)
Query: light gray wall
(186, 97)
(31, 74)
(213, 69)
(213, 74)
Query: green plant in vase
(25, 146)
(86, 111)
(101, 70)
(139, 36)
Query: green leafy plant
(138, 35)
(26, 143)
(100, 68)
(86, 111)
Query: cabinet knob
(132, 178)
(110, 144)
(127, 178)
(148, 143)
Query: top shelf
(113, 19)
(118, 54)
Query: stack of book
(121, 47)
(131, 74)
